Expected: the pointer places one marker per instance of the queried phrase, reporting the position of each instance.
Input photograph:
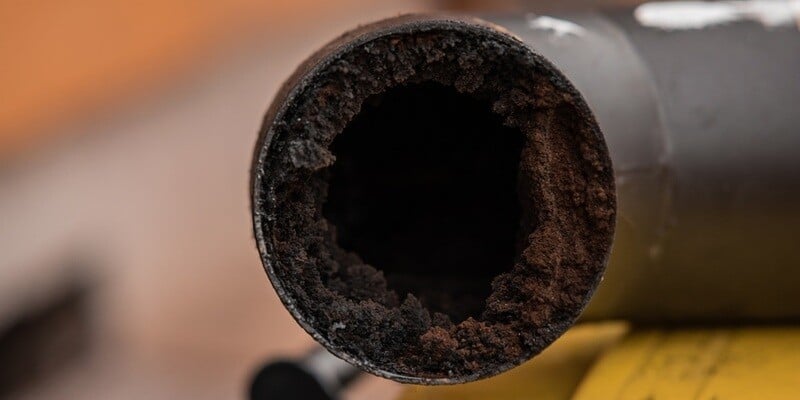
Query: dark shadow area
(424, 188)
(44, 340)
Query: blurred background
(127, 263)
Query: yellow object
(760, 363)
(735, 363)
(552, 375)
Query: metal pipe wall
(703, 127)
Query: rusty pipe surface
(434, 201)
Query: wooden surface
(733, 362)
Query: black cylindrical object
(319, 375)
(434, 201)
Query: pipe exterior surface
(703, 129)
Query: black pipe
(319, 375)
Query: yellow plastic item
(735, 363)
(760, 363)
(553, 375)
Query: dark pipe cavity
(432, 201)
(424, 189)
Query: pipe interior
(424, 188)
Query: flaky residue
(565, 187)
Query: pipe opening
(424, 190)
(432, 200)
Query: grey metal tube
(703, 127)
